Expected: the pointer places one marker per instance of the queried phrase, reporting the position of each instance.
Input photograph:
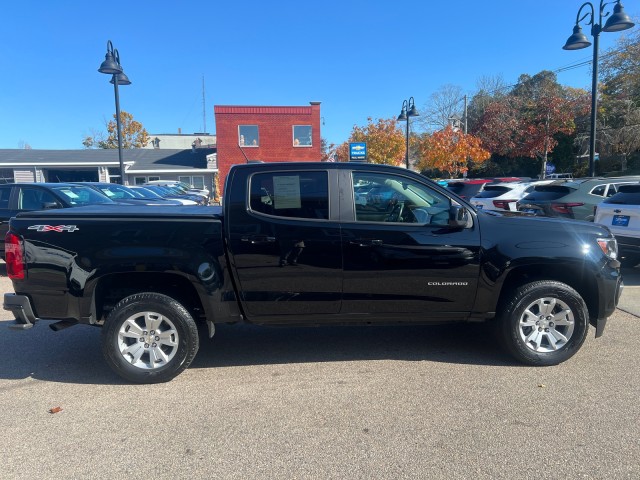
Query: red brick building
(268, 134)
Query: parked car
(22, 197)
(149, 193)
(621, 213)
(176, 194)
(124, 195)
(185, 188)
(503, 196)
(573, 198)
(467, 188)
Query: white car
(621, 213)
(503, 196)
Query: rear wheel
(149, 338)
(544, 323)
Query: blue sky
(359, 58)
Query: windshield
(79, 195)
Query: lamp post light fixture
(408, 110)
(616, 22)
(111, 66)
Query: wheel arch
(584, 283)
(112, 288)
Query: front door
(401, 259)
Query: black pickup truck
(309, 244)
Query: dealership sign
(358, 152)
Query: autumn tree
(385, 142)
(526, 122)
(133, 134)
(451, 150)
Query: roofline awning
(63, 164)
(175, 170)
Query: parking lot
(352, 402)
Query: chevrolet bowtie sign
(358, 152)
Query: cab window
(290, 194)
(393, 198)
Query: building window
(6, 175)
(139, 180)
(194, 182)
(302, 136)
(248, 136)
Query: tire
(543, 323)
(149, 338)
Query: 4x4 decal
(54, 228)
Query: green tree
(133, 134)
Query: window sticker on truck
(54, 228)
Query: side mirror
(49, 205)
(458, 216)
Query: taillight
(566, 208)
(14, 256)
(504, 204)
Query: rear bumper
(20, 306)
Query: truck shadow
(242, 345)
(74, 355)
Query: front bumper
(20, 306)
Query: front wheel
(149, 338)
(544, 323)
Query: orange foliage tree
(385, 142)
(450, 150)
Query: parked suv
(621, 213)
(503, 196)
(21, 197)
(574, 198)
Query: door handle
(258, 239)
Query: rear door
(284, 244)
(401, 260)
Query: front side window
(302, 136)
(291, 194)
(392, 198)
(248, 136)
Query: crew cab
(309, 244)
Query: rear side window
(549, 192)
(291, 194)
(493, 191)
(627, 195)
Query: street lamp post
(616, 22)
(111, 66)
(408, 110)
